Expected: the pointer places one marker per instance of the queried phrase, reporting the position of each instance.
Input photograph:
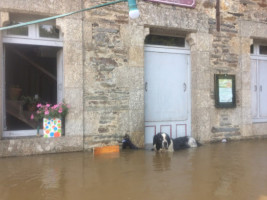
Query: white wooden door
(167, 92)
(259, 89)
(262, 65)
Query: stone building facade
(104, 68)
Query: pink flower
(60, 110)
(49, 110)
(55, 107)
(32, 116)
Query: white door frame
(256, 57)
(185, 51)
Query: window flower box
(53, 117)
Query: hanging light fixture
(133, 10)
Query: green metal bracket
(64, 15)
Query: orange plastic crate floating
(106, 149)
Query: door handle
(185, 87)
(261, 88)
(146, 86)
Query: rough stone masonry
(104, 68)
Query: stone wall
(225, 59)
(251, 30)
(113, 76)
(46, 7)
(71, 28)
(241, 21)
(104, 64)
(114, 65)
(201, 84)
(35, 145)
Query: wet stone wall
(36, 145)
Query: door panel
(166, 79)
(254, 88)
(262, 88)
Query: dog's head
(192, 142)
(161, 141)
(126, 142)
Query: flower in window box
(50, 111)
(52, 116)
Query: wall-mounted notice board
(225, 93)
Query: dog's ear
(126, 137)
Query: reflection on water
(221, 171)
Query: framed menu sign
(185, 3)
(225, 94)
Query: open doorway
(31, 77)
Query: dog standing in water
(163, 142)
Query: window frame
(256, 49)
(33, 38)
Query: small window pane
(165, 40)
(251, 49)
(18, 31)
(263, 50)
(48, 31)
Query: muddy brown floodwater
(223, 171)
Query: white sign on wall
(185, 3)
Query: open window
(33, 64)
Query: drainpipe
(218, 16)
(83, 62)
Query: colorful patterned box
(52, 127)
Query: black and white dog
(163, 142)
